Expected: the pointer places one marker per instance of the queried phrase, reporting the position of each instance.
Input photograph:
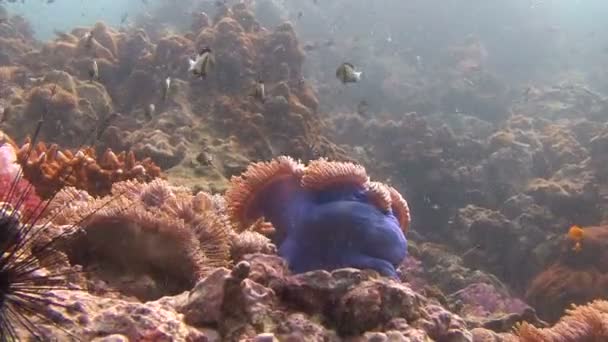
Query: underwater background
(304, 170)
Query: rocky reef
(196, 128)
(183, 209)
(503, 195)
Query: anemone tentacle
(245, 192)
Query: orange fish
(576, 235)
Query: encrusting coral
(49, 168)
(150, 239)
(327, 215)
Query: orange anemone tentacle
(400, 208)
(243, 189)
(321, 174)
(379, 195)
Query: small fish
(329, 43)
(362, 108)
(259, 92)
(150, 111)
(205, 158)
(279, 48)
(94, 71)
(576, 234)
(59, 127)
(535, 3)
(470, 250)
(166, 88)
(104, 124)
(88, 43)
(202, 64)
(124, 17)
(300, 15)
(346, 73)
(6, 113)
(527, 93)
(469, 82)
(309, 47)
(36, 80)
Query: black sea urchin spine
(23, 281)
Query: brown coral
(49, 168)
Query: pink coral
(8, 161)
(21, 195)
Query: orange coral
(321, 174)
(48, 168)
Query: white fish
(166, 88)
(94, 71)
(347, 73)
(150, 111)
(259, 91)
(202, 64)
(88, 37)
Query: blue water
(64, 15)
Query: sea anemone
(153, 240)
(581, 323)
(326, 215)
(578, 275)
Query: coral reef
(495, 174)
(72, 107)
(503, 193)
(193, 115)
(16, 37)
(327, 215)
(575, 277)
